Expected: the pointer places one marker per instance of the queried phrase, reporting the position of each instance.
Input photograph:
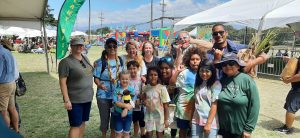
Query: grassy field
(43, 114)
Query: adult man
(292, 103)
(8, 75)
(222, 46)
(76, 84)
(184, 41)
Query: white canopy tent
(247, 12)
(77, 33)
(25, 14)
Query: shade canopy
(22, 13)
(247, 12)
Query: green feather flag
(66, 20)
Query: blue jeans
(198, 132)
(123, 124)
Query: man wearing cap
(76, 84)
(8, 75)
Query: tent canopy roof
(245, 12)
(22, 13)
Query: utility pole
(151, 20)
(163, 13)
(101, 20)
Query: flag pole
(89, 21)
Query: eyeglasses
(230, 63)
(110, 46)
(82, 64)
(217, 33)
(207, 71)
(183, 38)
(166, 59)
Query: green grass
(43, 114)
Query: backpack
(20, 86)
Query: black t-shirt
(296, 85)
(154, 62)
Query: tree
(103, 30)
(49, 17)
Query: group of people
(203, 92)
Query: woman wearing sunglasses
(132, 54)
(207, 89)
(106, 76)
(238, 103)
(148, 52)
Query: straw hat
(7, 44)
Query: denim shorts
(122, 125)
(80, 113)
(183, 124)
(197, 131)
(292, 102)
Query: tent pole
(245, 34)
(45, 42)
(259, 30)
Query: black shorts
(292, 102)
(138, 116)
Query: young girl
(123, 122)
(207, 89)
(138, 112)
(185, 84)
(168, 74)
(156, 99)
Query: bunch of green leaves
(264, 44)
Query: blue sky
(119, 13)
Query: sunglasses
(82, 64)
(230, 63)
(183, 38)
(207, 71)
(110, 46)
(217, 33)
(166, 59)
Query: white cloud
(141, 14)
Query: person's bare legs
(82, 128)
(149, 134)
(74, 132)
(14, 117)
(159, 134)
(6, 117)
(103, 134)
(119, 135)
(182, 133)
(289, 119)
(136, 128)
(112, 133)
(126, 135)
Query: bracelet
(67, 101)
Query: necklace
(114, 80)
